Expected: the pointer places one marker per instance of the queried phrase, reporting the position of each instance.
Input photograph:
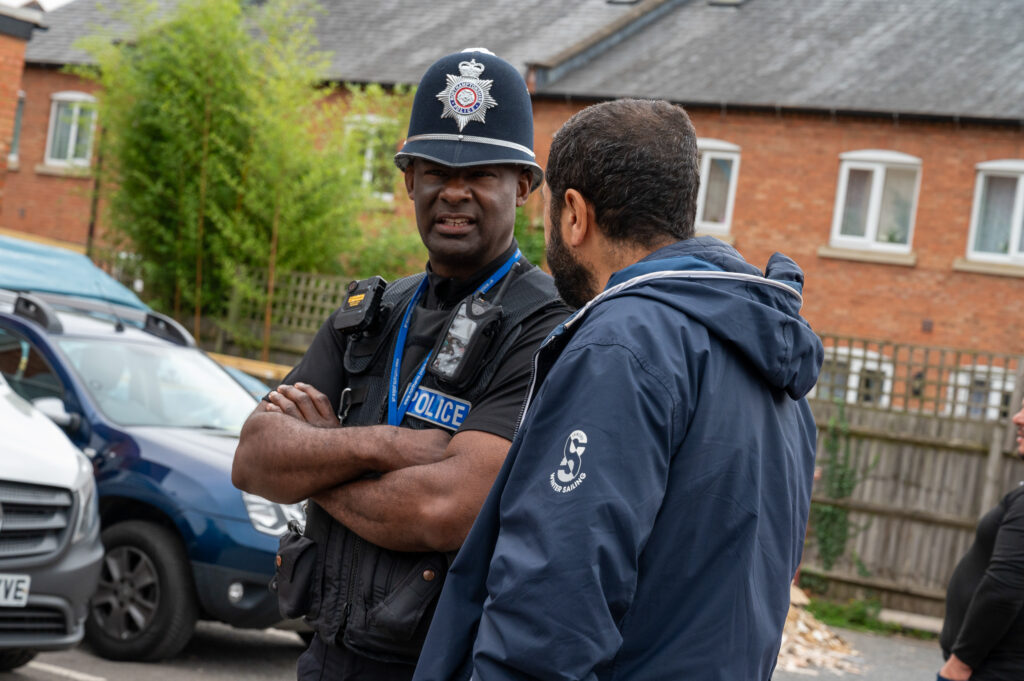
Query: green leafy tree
(223, 154)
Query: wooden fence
(932, 446)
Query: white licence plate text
(14, 590)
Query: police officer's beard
(575, 283)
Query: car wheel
(10, 659)
(145, 606)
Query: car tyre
(145, 606)
(11, 659)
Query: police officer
(426, 375)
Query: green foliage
(530, 235)
(859, 615)
(222, 151)
(389, 247)
(831, 524)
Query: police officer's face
(465, 215)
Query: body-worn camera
(458, 352)
(359, 311)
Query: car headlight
(269, 517)
(84, 489)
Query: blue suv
(160, 422)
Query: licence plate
(14, 590)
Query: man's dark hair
(636, 161)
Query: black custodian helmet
(472, 108)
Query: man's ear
(523, 185)
(409, 179)
(577, 217)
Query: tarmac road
(218, 652)
(881, 658)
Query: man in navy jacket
(651, 512)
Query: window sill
(993, 268)
(79, 172)
(727, 238)
(878, 257)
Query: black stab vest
(375, 601)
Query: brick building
(880, 144)
(16, 27)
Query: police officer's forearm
(287, 460)
(422, 508)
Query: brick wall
(12, 59)
(784, 202)
(52, 206)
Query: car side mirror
(53, 409)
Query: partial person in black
(983, 633)
(428, 388)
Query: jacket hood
(756, 313)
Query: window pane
(832, 380)
(997, 194)
(855, 209)
(897, 201)
(83, 137)
(17, 126)
(61, 131)
(381, 165)
(870, 389)
(717, 194)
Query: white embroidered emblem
(569, 474)
(467, 97)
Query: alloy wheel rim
(128, 594)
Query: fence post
(993, 482)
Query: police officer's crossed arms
(428, 387)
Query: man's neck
(615, 256)
(445, 291)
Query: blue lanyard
(396, 411)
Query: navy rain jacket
(651, 512)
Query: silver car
(50, 549)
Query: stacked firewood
(809, 646)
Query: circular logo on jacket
(569, 473)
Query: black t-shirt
(497, 410)
(984, 622)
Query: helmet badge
(467, 97)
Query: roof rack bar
(168, 328)
(32, 307)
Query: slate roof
(390, 41)
(934, 57)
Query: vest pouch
(394, 628)
(293, 574)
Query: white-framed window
(980, 392)
(377, 137)
(719, 168)
(12, 154)
(997, 219)
(876, 200)
(854, 376)
(72, 124)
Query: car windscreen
(143, 384)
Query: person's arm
(422, 508)
(292, 447)
(591, 467)
(955, 669)
(1000, 595)
(432, 507)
